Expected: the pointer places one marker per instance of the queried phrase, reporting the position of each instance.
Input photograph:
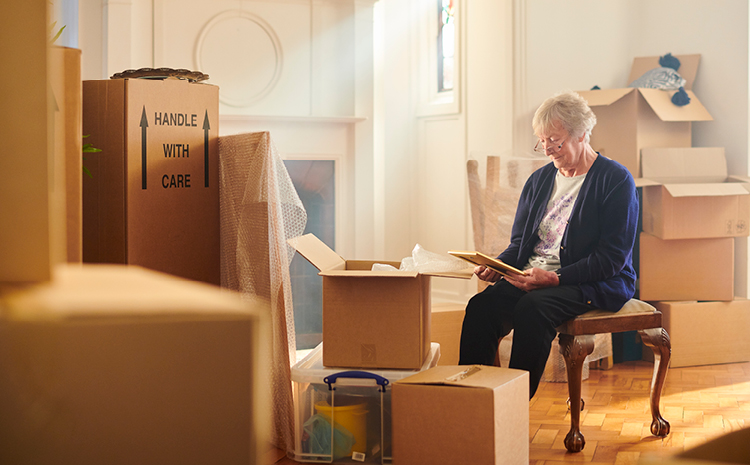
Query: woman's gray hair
(570, 110)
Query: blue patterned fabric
(659, 78)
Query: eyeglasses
(541, 147)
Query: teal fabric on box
(319, 430)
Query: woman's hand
(487, 274)
(536, 278)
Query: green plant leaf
(90, 148)
(88, 173)
(52, 41)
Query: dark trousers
(533, 316)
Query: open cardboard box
(629, 119)
(461, 414)
(371, 319)
(688, 195)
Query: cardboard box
(447, 321)
(119, 364)
(154, 196)
(725, 449)
(630, 119)
(461, 414)
(25, 234)
(728, 448)
(371, 319)
(66, 212)
(707, 333)
(688, 195)
(686, 269)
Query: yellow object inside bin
(351, 417)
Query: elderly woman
(573, 235)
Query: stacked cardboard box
(376, 324)
(691, 213)
(687, 252)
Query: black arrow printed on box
(144, 125)
(206, 127)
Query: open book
(478, 258)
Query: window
(314, 181)
(446, 44)
(438, 57)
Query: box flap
(688, 67)
(684, 164)
(370, 274)
(473, 376)
(645, 182)
(603, 97)
(316, 252)
(661, 102)
(705, 190)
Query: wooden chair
(577, 341)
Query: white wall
(410, 182)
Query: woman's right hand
(487, 274)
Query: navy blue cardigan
(596, 252)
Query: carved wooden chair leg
(658, 340)
(574, 350)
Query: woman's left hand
(536, 278)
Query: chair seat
(633, 316)
(632, 306)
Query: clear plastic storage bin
(344, 415)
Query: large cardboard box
(461, 414)
(118, 364)
(686, 269)
(25, 233)
(707, 333)
(688, 195)
(153, 199)
(630, 119)
(371, 319)
(66, 212)
(447, 321)
(729, 448)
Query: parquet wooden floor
(700, 403)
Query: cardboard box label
(185, 175)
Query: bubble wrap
(424, 261)
(554, 371)
(260, 210)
